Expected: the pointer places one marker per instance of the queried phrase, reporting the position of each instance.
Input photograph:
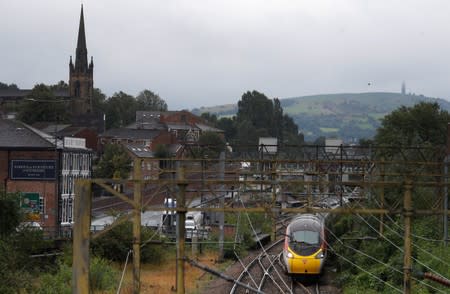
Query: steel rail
(252, 263)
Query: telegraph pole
(137, 227)
(81, 237)
(222, 204)
(181, 220)
(274, 200)
(407, 213)
(382, 175)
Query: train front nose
(306, 265)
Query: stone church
(81, 75)
(79, 94)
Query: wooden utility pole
(407, 265)
(273, 176)
(82, 217)
(222, 204)
(137, 226)
(181, 220)
(446, 161)
(382, 175)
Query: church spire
(81, 61)
(81, 75)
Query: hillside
(347, 116)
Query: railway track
(264, 273)
(309, 288)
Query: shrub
(102, 277)
(115, 244)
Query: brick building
(173, 129)
(42, 169)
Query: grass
(159, 279)
(329, 130)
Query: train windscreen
(305, 242)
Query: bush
(13, 277)
(115, 244)
(59, 282)
(102, 277)
(10, 213)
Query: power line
(260, 244)
(415, 245)
(354, 264)
(414, 235)
(401, 250)
(378, 261)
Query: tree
(4, 86)
(227, 125)
(246, 133)
(115, 162)
(147, 100)
(211, 143)
(210, 118)
(120, 110)
(98, 101)
(258, 116)
(422, 124)
(10, 215)
(42, 105)
(60, 86)
(255, 108)
(117, 242)
(277, 125)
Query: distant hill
(346, 116)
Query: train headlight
(320, 255)
(290, 255)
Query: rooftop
(18, 134)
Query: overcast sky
(204, 53)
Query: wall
(45, 188)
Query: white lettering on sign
(72, 142)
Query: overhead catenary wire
(361, 268)
(414, 235)
(380, 262)
(260, 244)
(399, 248)
(245, 268)
(154, 234)
(415, 245)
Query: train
(305, 249)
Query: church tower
(81, 79)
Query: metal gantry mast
(315, 175)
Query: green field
(349, 115)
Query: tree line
(43, 105)
(257, 116)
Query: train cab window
(307, 237)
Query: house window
(41, 205)
(67, 210)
